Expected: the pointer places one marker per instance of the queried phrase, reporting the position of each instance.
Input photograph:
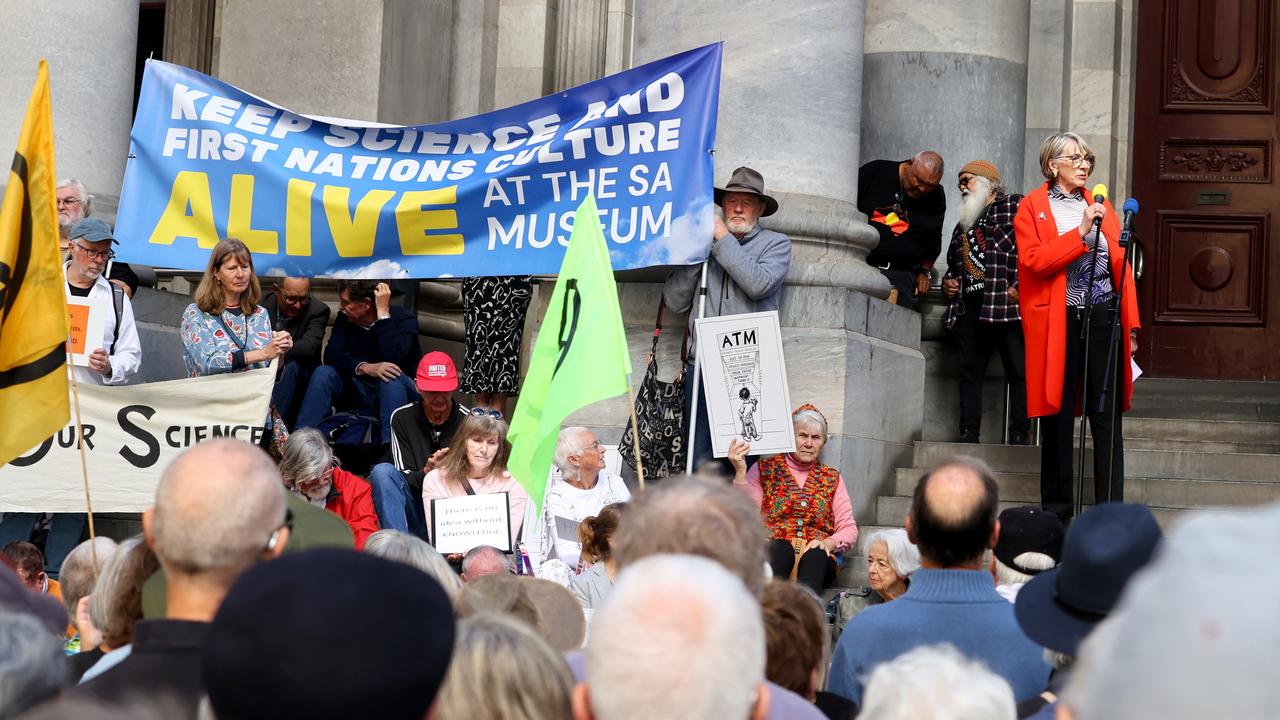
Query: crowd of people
(267, 613)
(273, 582)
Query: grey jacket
(743, 276)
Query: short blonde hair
(209, 295)
(1055, 145)
(503, 669)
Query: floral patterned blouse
(213, 344)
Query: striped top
(1068, 211)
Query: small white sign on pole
(86, 321)
(462, 523)
(744, 379)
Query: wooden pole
(84, 467)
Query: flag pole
(697, 376)
(84, 466)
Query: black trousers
(977, 341)
(1057, 478)
(817, 570)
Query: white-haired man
(681, 637)
(75, 204)
(219, 509)
(982, 284)
(1030, 543)
(584, 488)
(485, 560)
(936, 681)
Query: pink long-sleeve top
(846, 533)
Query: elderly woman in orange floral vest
(804, 503)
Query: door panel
(1203, 148)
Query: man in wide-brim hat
(745, 272)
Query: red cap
(436, 373)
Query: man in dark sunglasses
(292, 309)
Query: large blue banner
(493, 194)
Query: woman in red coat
(309, 471)
(1055, 237)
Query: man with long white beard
(982, 284)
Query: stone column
(391, 66)
(475, 57)
(526, 50)
(790, 106)
(581, 33)
(91, 77)
(188, 33)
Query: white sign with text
(462, 523)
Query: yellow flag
(33, 306)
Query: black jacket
(307, 329)
(879, 193)
(392, 340)
(414, 439)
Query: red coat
(351, 498)
(1043, 258)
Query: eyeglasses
(69, 201)
(964, 181)
(481, 412)
(292, 299)
(1079, 160)
(96, 254)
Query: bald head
(953, 513)
(921, 174)
(217, 506)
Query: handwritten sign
(461, 523)
(86, 329)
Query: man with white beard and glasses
(981, 284)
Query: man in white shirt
(583, 489)
(111, 363)
(119, 355)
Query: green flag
(580, 356)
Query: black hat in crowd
(329, 634)
(1028, 529)
(746, 180)
(1104, 548)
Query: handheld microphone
(1130, 209)
(1099, 195)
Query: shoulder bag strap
(240, 345)
(466, 485)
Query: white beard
(975, 201)
(739, 227)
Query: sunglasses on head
(481, 412)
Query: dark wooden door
(1204, 140)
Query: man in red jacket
(309, 471)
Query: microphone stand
(1110, 380)
(1078, 495)
(697, 376)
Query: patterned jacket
(993, 233)
(207, 348)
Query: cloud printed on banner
(689, 240)
(376, 270)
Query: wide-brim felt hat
(1104, 548)
(746, 180)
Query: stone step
(1157, 492)
(1211, 399)
(1189, 465)
(891, 509)
(1233, 431)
